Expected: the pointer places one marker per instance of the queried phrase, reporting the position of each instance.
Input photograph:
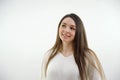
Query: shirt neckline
(66, 56)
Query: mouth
(65, 35)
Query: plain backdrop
(28, 29)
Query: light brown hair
(83, 55)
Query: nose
(67, 29)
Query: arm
(43, 65)
(93, 74)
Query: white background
(28, 29)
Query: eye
(72, 28)
(63, 25)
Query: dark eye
(63, 25)
(72, 28)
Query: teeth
(65, 35)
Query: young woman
(70, 58)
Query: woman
(70, 58)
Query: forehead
(69, 21)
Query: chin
(67, 41)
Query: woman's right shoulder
(45, 58)
(47, 54)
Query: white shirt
(62, 68)
(65, 68)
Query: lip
(65, 35)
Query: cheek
(74, 33)
(60, 30)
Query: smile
(65, 35)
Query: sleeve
(43, 65)
(92, 72)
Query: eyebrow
(63, 23)
(70, 25)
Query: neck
(67, 49)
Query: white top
(65, 68)
(62, 68)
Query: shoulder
(91, 59)
(45, 58)
(92, 65)
(90, 56)
(46, 55)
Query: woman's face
(67, 30)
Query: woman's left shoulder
(91, 64)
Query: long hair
(80, 47)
